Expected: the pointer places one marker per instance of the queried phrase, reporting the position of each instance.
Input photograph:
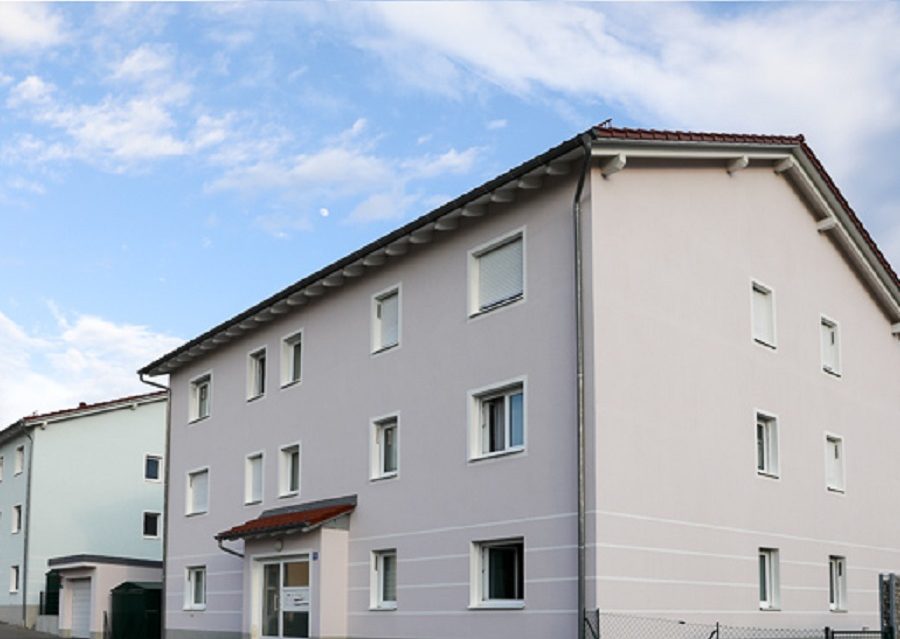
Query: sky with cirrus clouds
(164, 166)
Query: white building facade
(81, 483)
(390, 447)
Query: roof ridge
(83, 406)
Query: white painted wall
(12, 492)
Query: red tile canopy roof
(294, 519)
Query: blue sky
(164, 166)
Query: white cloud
(29, 26)
(30, 92)
(382, 206)
(452, 161)
(493, 125)
(84, 359)
(144, 62)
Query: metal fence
(603, 625)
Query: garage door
(81, 607)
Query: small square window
(834, 463)
(766, 445)
(253, 479)
(19, 464)
(499, 574)
(151, 525)
(831, 346)
(769, 587)
(384, 580)
(386, 320)
(256, 374)
(292, 359)
(837, 583)
(200, 397)
(153, 468)
(289, 471)
(384, 451)
(14, 579)
(198, 492)
(763, 306)
(498, 274)
(16, 519)
(195, 588)
(499, 421)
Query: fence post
(827, 632)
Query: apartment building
(648, 372)
(81, 494)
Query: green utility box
(136, 607)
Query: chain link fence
(618, 626)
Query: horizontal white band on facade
(743, 531)
(212, 592)
(683, 612)
(365, 564)
(218, 555)
(674, 582)
(488, 524)
(178, 574)
(676, 551)
(201, 612)
(447, 613)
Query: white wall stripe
(682, 613)
(678, 582)
(447, 613)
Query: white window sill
(290, 494)
(768, 474)
(386, 606)
(194, 608)
(505, 303)
(831, 372)
(151, 538)
(385, 349)
(293, 382)
(763, 342)
(196, 514)
(498, 453)
(838, 610)
(194, 420)
(835, 489)
(770, 608)
(511, 604)
(14, 532)
(253, 398)
(14, 592)
(253, 502)
(392, 475)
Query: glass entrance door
(285, 599)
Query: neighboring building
(81, 493)
(389, 447)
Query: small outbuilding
(136, 609)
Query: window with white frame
(384, 579)
(763, 307)
(289, 471)
(499, 421)
(769, 588)
(151, 525)
(199, 400)
(384, 448)
(14, 579)
(198, 491)
(253, 478)
(831, 346)
(497, 274)
(19, 462)
(152, 467)
(256, 374)
(834, 463)
(292, 359)
(837, 583)
(16, 518)
(766, 445)
(195, 588)
(386, 320)
(498, 575)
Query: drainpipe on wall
(579, 371)
(24, 575)
(166, 464)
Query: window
(151, 525)
(763, 303)
(766, 445)
(386, 320)
(14, 579)
(384, 579)
(497, 274)
(499, 421)
(289, 471)
(153, 468)
(198, 492)
(834, 463)
(195, 588)
(831, 346)
(769, 590)
(256, 374)
(1, 467)
(291, 359)
(837, 583)
(384, 451)
(16, 518)
(253, 478)
(19, 462)
(499, 575)
(200, 397)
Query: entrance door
(285, 599)
(81, 607)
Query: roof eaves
(112, 404)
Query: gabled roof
(292, 519)
(82, 409)
(789, 154)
